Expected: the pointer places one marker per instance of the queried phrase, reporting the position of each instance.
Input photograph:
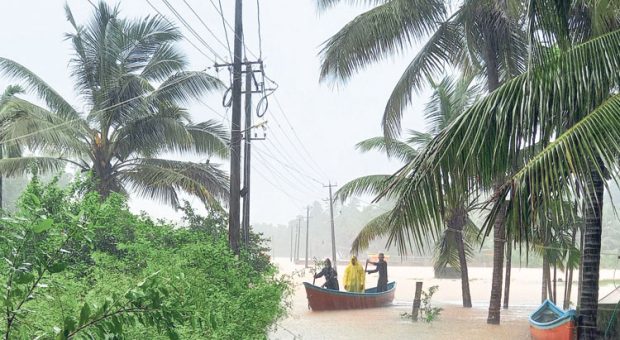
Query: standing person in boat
(381, 267)
(330, 274)
(354, 276)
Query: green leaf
(70, 324)
(43, 225)
(84, 313)
(23, 277)
(57, 267)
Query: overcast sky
(328, 121)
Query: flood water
(454, 322)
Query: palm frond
(210, 137)
(166, 60)
(374, 229)
(386, 29)
(185, 86)
(365, 185)
(33, 82)
(163, 180)
(590, 145)
(21, 165)
(28, 125)
(326, 4)
(443, 48)
(393, 149)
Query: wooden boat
(327, 299)
(549, 322)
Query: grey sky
(329, 121)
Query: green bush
(77, 266)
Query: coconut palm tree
(569, 105)
(133, 83)
(479, 38)
(483, 38)
(6, 96)
(450, 98)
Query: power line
(294, 169)
(174, 82)
(260, 39)
(190, 29)
(297, 136)
(278, 188)
(186, 38)
(293, 183)
(221, 12)
(293, 144)
(208, 29)
(285, 156)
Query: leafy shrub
(77, 266)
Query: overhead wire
(191, 29)
(294, 146)
(294, 169)
(210, 58)
(209, 30)
(174, 82)
(221, 12)
(290, 182)
(278, 188)
(318, 167)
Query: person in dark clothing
(381, 268)
(330, 274)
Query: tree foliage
(133, 85)
(79, 267)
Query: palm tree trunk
(549, 286)
(568, 284)
(588, 301)
(545, 265)
(555, 283)
(459, 219)
(508, 270)
(492, 73)
(569, 287)
(498, 264)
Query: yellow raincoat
(354, 276)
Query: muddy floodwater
(454, 322)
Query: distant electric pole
(245, 221)
(292, 231)
(331, 215)
(235, 136)
(298, 237)
(307, 229)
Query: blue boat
(549, 322)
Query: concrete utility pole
(245, 221)
(292, 231)
(307, 229)
(298, 237)
(235, 136)
(331, 215)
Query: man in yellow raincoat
(354, 276)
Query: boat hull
(563, 332)
(326, 299)
(549, 322)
